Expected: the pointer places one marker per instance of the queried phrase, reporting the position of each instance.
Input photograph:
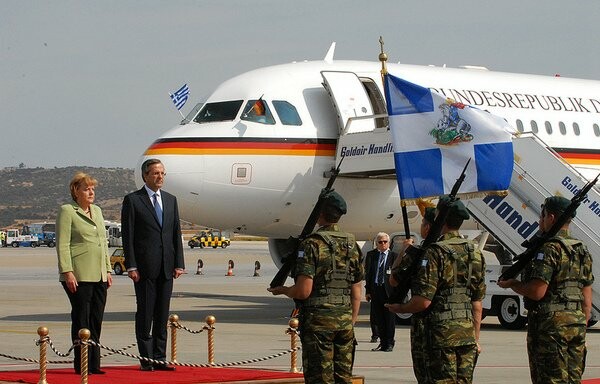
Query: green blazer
(81, 244)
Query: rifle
(294, 242)
(408, 266)
(533, 244)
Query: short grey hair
(381, 235)
(146, 166)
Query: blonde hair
(80, 179)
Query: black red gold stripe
(579, 156)
(299, 147)
(243, 146)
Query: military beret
(557, 204)
(457, 208)
(334, 199)
(429, 215)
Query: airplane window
(548, 127)
(520, 126)
(596, 130)
(534, 126)
(221, 111)
(258, 111)
(562, 128)
(576, 129)
(287, 113)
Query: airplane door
(350, 99)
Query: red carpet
(132, 374)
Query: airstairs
(538, 172)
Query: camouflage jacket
(451, 275)
(328, 308)
(565, 264)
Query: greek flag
(434, 136)
(180, 96)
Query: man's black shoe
(163, 367)
(387, 349)
(377, 348)
(374, 339)
(97, 372)
(147, 368)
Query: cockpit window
(258, 111)
(287, 113)
(221, 111)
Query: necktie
(381, 269)
(158, 209)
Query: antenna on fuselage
(329, 56)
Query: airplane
(261, 173)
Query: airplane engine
(280, 248)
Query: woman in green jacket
(84, 264)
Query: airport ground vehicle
(15, 238)
(113, 233)
(45, 232)
(212, 238)
(117, 261)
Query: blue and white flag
(180, 96)
(434, 136)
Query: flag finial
(382, 57)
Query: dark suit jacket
(146, 245)
(371, 262)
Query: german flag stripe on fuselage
(579, 156)
(298, 147)
(243, 146)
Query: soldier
(446, 296)
(557, 287)
(2, 238)
(328, 277)
(417, 330)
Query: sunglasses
(382, 241)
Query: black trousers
(385, 320)
(87, 311)
(153, 299)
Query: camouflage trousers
(439, 365)
(327, 356)
(556, 346)
(419, 349)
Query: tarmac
(250, 323)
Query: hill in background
(35, 194)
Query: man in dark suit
(378, 267)
(153, 257)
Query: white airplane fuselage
(263, 179)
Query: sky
(86, 83)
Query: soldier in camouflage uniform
(328, 277)
(557, 287)
(446, 300)
(418, 351)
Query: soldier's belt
(556, 307)
(451, 315)
(315, 301)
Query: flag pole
(383, 58)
